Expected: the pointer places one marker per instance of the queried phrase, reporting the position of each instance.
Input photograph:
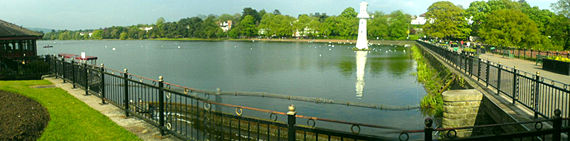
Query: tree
(160, 21)
(307, 24)
(562, 7)
(559, 31)
(278, 25)
(399, 25)
(446, 20)
(378, 26)
(477, 12)
(251, 12)
(347, 23)
(276, 12)
(247, 27)
(511, 28)
(123, 36)
(97, 35)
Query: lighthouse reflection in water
(360, 66)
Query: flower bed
(556, 66)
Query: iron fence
(193, 114)
(539, 94)
(190, 114)
(528, 53)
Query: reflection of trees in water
(396, 63)
(346, 67)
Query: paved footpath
(525, 65)
(143, 130)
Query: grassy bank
(71, 119)
(434, 84)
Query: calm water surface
(382, 76)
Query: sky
(95, 14)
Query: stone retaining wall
(460, 108)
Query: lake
(383, 75)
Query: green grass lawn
(71, 119)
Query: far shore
(337, 41)
(382, 42)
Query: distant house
(305, 33)
(146, 28)
(88, 33)
(16, 41)
(226, 25)
(419, 20)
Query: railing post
(161, 104)
(557, 125)
(471, 65)
(73, 73)
(126, 100)
(499, 79)
(536, 87)
(427, 130)
(102, 71)
(86, 79)
(478, 68)
(54, 66)
(514, 84)
(487, 73)
(291, 122)
(63, 69)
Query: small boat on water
(48, 46)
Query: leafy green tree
(278, 25)
(559, 31)
(123, 36)
(246, 27)
(477, 12)
(251, 12)
(511, 28)
(347, 23)
(446, 20)
(399, 25)
(276, 12)
(378, 26)
(209, 28)
(97, 35)
(562, 7)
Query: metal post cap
(537, 73)
(160, 78)
(291, 110)
(102, 65)
(125, 70)
(428, 121)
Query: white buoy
(178, 46)
(320, 55)
(330, 49)
(113, 49)
(332, 45)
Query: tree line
(251, 24)
(503, 23)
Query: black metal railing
(190, 113)
(539, 94)
(193, 114)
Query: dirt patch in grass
(21, 118)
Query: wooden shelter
(17, 42)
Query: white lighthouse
(362, 42)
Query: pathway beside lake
(142, 129)
(525, 65)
